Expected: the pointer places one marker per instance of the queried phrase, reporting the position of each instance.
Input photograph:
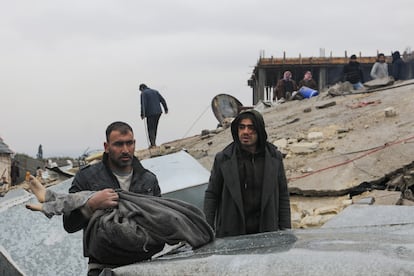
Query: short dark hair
(142, 87)
(381, 55)
(353, 57)
(122, 127)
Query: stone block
(311, 221)
(281, 143)
(332, 210)
(390, 112)
(304, 147)
(312, 136)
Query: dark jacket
(308, 83)
(150, 103)
(353, 72)
(223, 204)
(282, 87)
(98, 177)
(397, 66)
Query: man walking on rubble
(151, 101)
(247, 191)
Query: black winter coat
(223, 204)
(98, 177)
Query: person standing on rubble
(380, 68)
(397, 66)
(285, 87)
(119, 169)
(353, 73)
(247, 192)
(151, 101)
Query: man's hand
(103, 199)
(142, 117)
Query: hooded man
(247, 191)
(397, 66)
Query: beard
(122, 161)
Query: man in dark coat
(247, 191)
(119, 169)
(353, 73)
(151, 101)
(397, 66)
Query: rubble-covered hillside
(342, 150)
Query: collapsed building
(325, 70)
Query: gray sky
(69, 68)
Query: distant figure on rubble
(151, 110)
(308, 81)
(380, 68)
(397, 66)
(353, 73)
(285, 87)
(14, 172)
(247, 192)
(40, 152)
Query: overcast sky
(69, 68)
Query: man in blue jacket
(151, 109)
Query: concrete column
(322, 78)
(260, 92)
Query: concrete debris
(304, 147)
(379, 82)
(327, 210)
(366, 201)
(281, 143)
(315, 136)
(390, 112)
(329, 104)
(361, 153)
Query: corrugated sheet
(4, 148)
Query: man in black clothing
(247, 191)
(397, 66)
(353, 73)
(119, 169)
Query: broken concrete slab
(372, 215)
(359, 250)
(180, 176)
(379, 82)
(304, 147)
(37, 245)
(380, 197)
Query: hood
(258, 122)
(396, 55)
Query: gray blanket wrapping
(140, 227)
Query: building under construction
(325, 70)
